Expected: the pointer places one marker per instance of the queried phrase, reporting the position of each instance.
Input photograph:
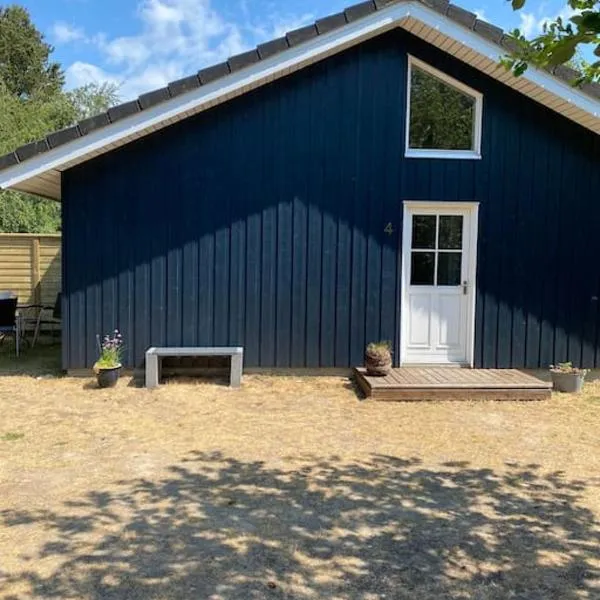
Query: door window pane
(450, 235)
(422, 268)
(423, 231)
(449, 266)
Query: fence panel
(30, 266)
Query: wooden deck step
(441, 383)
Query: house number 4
(389, 229)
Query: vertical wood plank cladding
(374, 190)
(66, 306)
(588, 305)
(287, 188)
(107, 318)
(359, 161)
(345, 167)
(519, 191)
(537, 353)
(327, 183)
(188, 182)
(255, 175)
(261, 223)
(577, 259)
(562, 264)
(299, 245)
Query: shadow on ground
(216, 527)
(42, 360)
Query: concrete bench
(154, 354)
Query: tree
(25, 66)
(93, 98)
(33, 104)
(22, 121)
(560, 41)
(441, 116)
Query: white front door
(438, 283)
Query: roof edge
(295, 50)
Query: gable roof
(36, 167)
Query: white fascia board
(268, 69)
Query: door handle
(465, 287)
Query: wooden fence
(30, 266)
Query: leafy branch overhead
(562, 42)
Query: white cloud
(282, 25)
(277, 25)
(175, 38)
(533, 24)
(480, 14)
(529, 24)
(80, 73)
(63, 33)
(124, 50)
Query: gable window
(443, 115)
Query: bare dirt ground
(291, 488)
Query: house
(375, 175)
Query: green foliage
(567, 367)
(441, 117)
(111, 351)
(379, 350)
(21, 213)
(93, 98)
(23, 121)
(25, 68)
(560, 42)
(33, 104)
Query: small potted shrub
(567, 378)
(378, 358)
(108, 365)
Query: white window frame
(474, 154)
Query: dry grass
(292, 488)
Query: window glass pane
(441, 117)
(421, 268)
(423, 231)
(450, 234)
(449, 264)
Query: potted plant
(567, 378)
(378, 358)
(108, 365)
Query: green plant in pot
(378, 358)
(567, 378)
(108, 365)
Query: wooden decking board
(432, 383)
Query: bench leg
(237, 364)
(152, 374)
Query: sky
(141, 45)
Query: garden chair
(9, 318)
(53, 320)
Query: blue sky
(143, 44)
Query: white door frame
(472, 208)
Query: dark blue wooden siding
(261, 223)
